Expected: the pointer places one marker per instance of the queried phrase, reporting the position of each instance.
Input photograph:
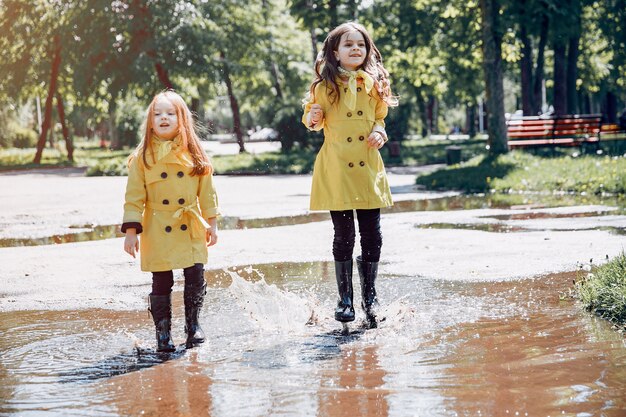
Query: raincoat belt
(199, 225)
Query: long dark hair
(326, 64)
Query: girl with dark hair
(349, 99)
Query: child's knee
(194, 275)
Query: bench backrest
(570, 126)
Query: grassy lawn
(299, 161)
(603, 290)
(519, 172)
(85, 154)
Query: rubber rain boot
(367, 273)
(345, 310)
(161, 310)
(194, 299)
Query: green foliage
(21, 137)
(108, 168)
(291, 130)
(603, 290)
(475, 176)
(296, 162)
(522, 172)
(397, 122)
(427, 151)
(130, 115)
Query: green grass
(429, 151)
(299, 161)
(85, 154)
(603, 290)
(519, 172)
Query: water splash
(271, 308)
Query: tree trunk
(66, 131)
(572, 74)
(114, 140)
(470, 119)
(526, 70)
(560, 78)
(333, 13)
(538, 78)
(163, 75)
(492, 61)
(273, 67)
(313, 43)
(54, 74)
(430, 110)
(526, 63)
(611, 108)
(234, 105)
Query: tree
(492, 61)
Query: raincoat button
(345, 90)
(168, 229)
(180, 174)
(349, 139)
(358, 89)
(166, 202)
(360, 113)
(163, 174)
(349, 114)
(362, 163)
(181, 201)
(183, 227)
(361, 137)
(350, 164)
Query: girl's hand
(375, 140)
(211, 234)
(131, 243)
(316, 114)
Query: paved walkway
(478, 245)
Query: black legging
(163, 281)
(369, 229)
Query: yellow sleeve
(319, 97)
(207, 197)
(381, 110)
(135, 198)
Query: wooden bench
(570, 130)
(612, 131)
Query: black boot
(161, 309)
(367, 273)
(194, 298)
(345, 310)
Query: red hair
(186, 130)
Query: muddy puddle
(444, 349)
(83, 233)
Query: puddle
(483, 227)
(86, 233)
(82, 233)
(548, 215)
(445, 348)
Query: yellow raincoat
(172, 208)
(348, 174)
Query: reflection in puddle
(459, 202)
(483, 227)
(547, 215)
(445, 348)
(87, 233)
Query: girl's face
(351, 51)
(164, 119)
